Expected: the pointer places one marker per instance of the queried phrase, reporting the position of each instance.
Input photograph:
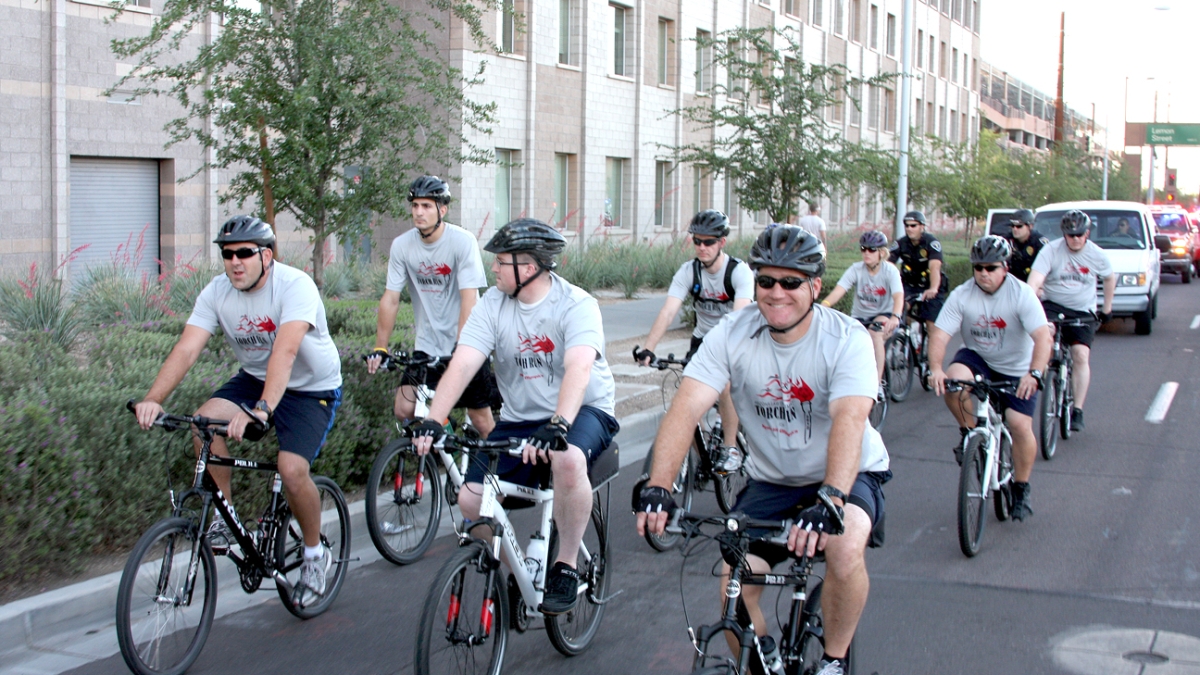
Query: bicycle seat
(606, 466)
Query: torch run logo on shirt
(988, 332)
(1074, 276)
(256, 332)
(433, 274)
(779, 402)
(871, 295)
(536, 352)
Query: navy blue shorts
(302, 418)
(770, 501)
(978, 366)
(929, 309)
(481, 391)
(1072, 335)
(592, 433)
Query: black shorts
(770, 501)
(694, 347)
(975, 362)
(481, 391)
(1072, 335)
(929, 309)
(592, 433)
(302, 418)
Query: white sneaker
(833, 667)
(729, 459)
(219, 537)
(312, 578)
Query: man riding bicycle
(441, 265)
(803, 383)
(290, 376)
(558, 392)
(1005, 339)
(919, 257)
(719, 284)
(1026, 243)
(1064, 277)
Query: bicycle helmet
(915, 215)
(1023, 216)
(709, 223)
(430, 187)
(245, 228)
(873, 239)
(990, 249)
(1075, 222)
(532, 237)
(789, 247)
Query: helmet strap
(708, 267)
(262, 271)
(777, 331)
(517, 275)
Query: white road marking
(1162, 402)
(1195, 322)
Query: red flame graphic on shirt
(438, 269)
(538, 344)
(257, 324)
(787, 390)
(997, 323)
(881, 291)
(719, 297)
(1084, 270)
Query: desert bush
(38, 303)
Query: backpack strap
(696, 286)
(729, 291)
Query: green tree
(971, 179)
(1124, 183)
(767, 121)
(880, 169)
(290, 96)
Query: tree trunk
(318, 255)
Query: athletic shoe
(1020, 501)
(958, 447)
(1076, 419)
(729, 459)
(219, 537)
(833, 667)
(312, 578)
(562, 590)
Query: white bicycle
(987, 463)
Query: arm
(279, 372)
(389, 305)
(740, 303)
(1110, 287)
(674, 438)
(833, 297)
(897, 312)
(1042, 343)
(938, 339)
(181, 359)
(462, 367)
(665, 316)
(1037, 279)
(468, 297)
(935, 279)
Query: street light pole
(906, 26)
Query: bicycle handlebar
(397, 359)
(1062, 320)
(981, 385)
(660, 363)
(735, 524)
(173, 422)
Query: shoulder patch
(936, 245)
(895, 246)
(1045, 241)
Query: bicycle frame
(989, 423)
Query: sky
(1107, 41)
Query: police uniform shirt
(913, 259)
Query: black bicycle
(1058, 390)
(909, 345)
(168, 591)
(698, 468)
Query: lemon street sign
(1173, 134)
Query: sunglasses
(239, 253)
(704, 242)
(912, 224)
(1016, 225)
(788, 283)
(866, 249)
(986, 268)
(1077, 236)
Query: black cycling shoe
(958, 449)
(1020, 501)
(1076, 419)
(562, 590)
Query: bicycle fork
(487, 612)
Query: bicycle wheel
(972, 493)
(464, 623)
(879, 410)
(730, 485)
(335, 534)
(571, 633)
(404, 502)
(1003, 501)
(161, 628)
(898, 362)
(1067, 405)
(1048, 416)
(811, 643)
(682, 489)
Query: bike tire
(879, 412)
(811, 643)
(1003, 502)
(158, 637)
(403, 502)
(682, 490)
(972, 493)
(921, 358)
(335, 535)
(1048, 409)
(1068, 403)
(572, 632)
(898, 362)
(464, 622)
(730, 485)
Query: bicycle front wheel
(1048, 417)
(811, 644)
(1067, 403)
(682, 489)
(972, 494)
(335, 535)
(404, 502)
(730, 485)
(899, 363)
(464, 623)
(879, 411)
(571, 633)
(162, 620)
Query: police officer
(918, 254)
(1026, 243)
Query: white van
(1134, 257)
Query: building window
(890, 41)
(872, 107)
(942, 62)
(703, 61)
(730, 195)
(929, 121)
(620, 35)
(666, 52)
(931, 55)
(967, 18)
(701, 189)
(562, 190)
(839, 17)
(662, 194)
(919, 117)
(837, 112)
(818, 12)
(946, 7)
(956, 13)
(964, 128)
(505, 159)
(920, 49)
(508, 27)
(614, 192)
(966, 73)
(954, 67)
(953, 126)
(975, 15)
(941, 121)
(856, 26)
(889, 110)
(856, 104)
(873, 27)
(568, 32)
(789, 7)
(734, 85)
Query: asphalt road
(1108, 559)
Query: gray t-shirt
(872, 292)
(531, 342)
(710, 306)
(437, 272)
(995, 326)
(782, 392)
(250, 321)
(813, 223)
(1071, 277)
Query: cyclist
(1026, 243)
(1005, 339)
(290, 376)
(804, 386)
(443, 264)
(879, 294)
(719, 284)
(1064, 276)
(918, 254)
(557, 388)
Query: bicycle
(168, 592)
(879, 411)
(405, 492)
(1058, 395)
(914, 345)
(987, 462)
(467, 612)
(698, 468)
(803, 633)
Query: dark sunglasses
(912, 224)
(704, 242)
(986, 268)
(872, 249)
(788, 283)
(1077, 236)
(239, 253)
(1015, 225)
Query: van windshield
(1110, 229)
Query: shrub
(38, 303)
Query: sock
(313, 552)
(829, 659)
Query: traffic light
(1170, 197)
(1170, 178)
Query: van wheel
(1186, 275)
(1142, 320)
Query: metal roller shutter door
(114, 202)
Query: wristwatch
(262, 405)
(827, 490)
(559, 420)
(1037, 375)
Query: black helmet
(710, 223)
(245, 228)
(1075, 222)
(429, 187)
(873, 239)
(529, 235)
(914, 215)
(990, 249)
(789, 247)
(1023, 216)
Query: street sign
(1173, 134)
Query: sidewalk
(72, 626)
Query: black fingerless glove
(820, 517)
(551, 436)
(654, 499)
(384, 356)
(426, 428)
(1103, 317)
(640, 355)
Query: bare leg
(959, 403)
(482, 420)
(302, 495)
(572, 501)
(729, 418)
(1081, 376)
(1024, 445)
(846, 581)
